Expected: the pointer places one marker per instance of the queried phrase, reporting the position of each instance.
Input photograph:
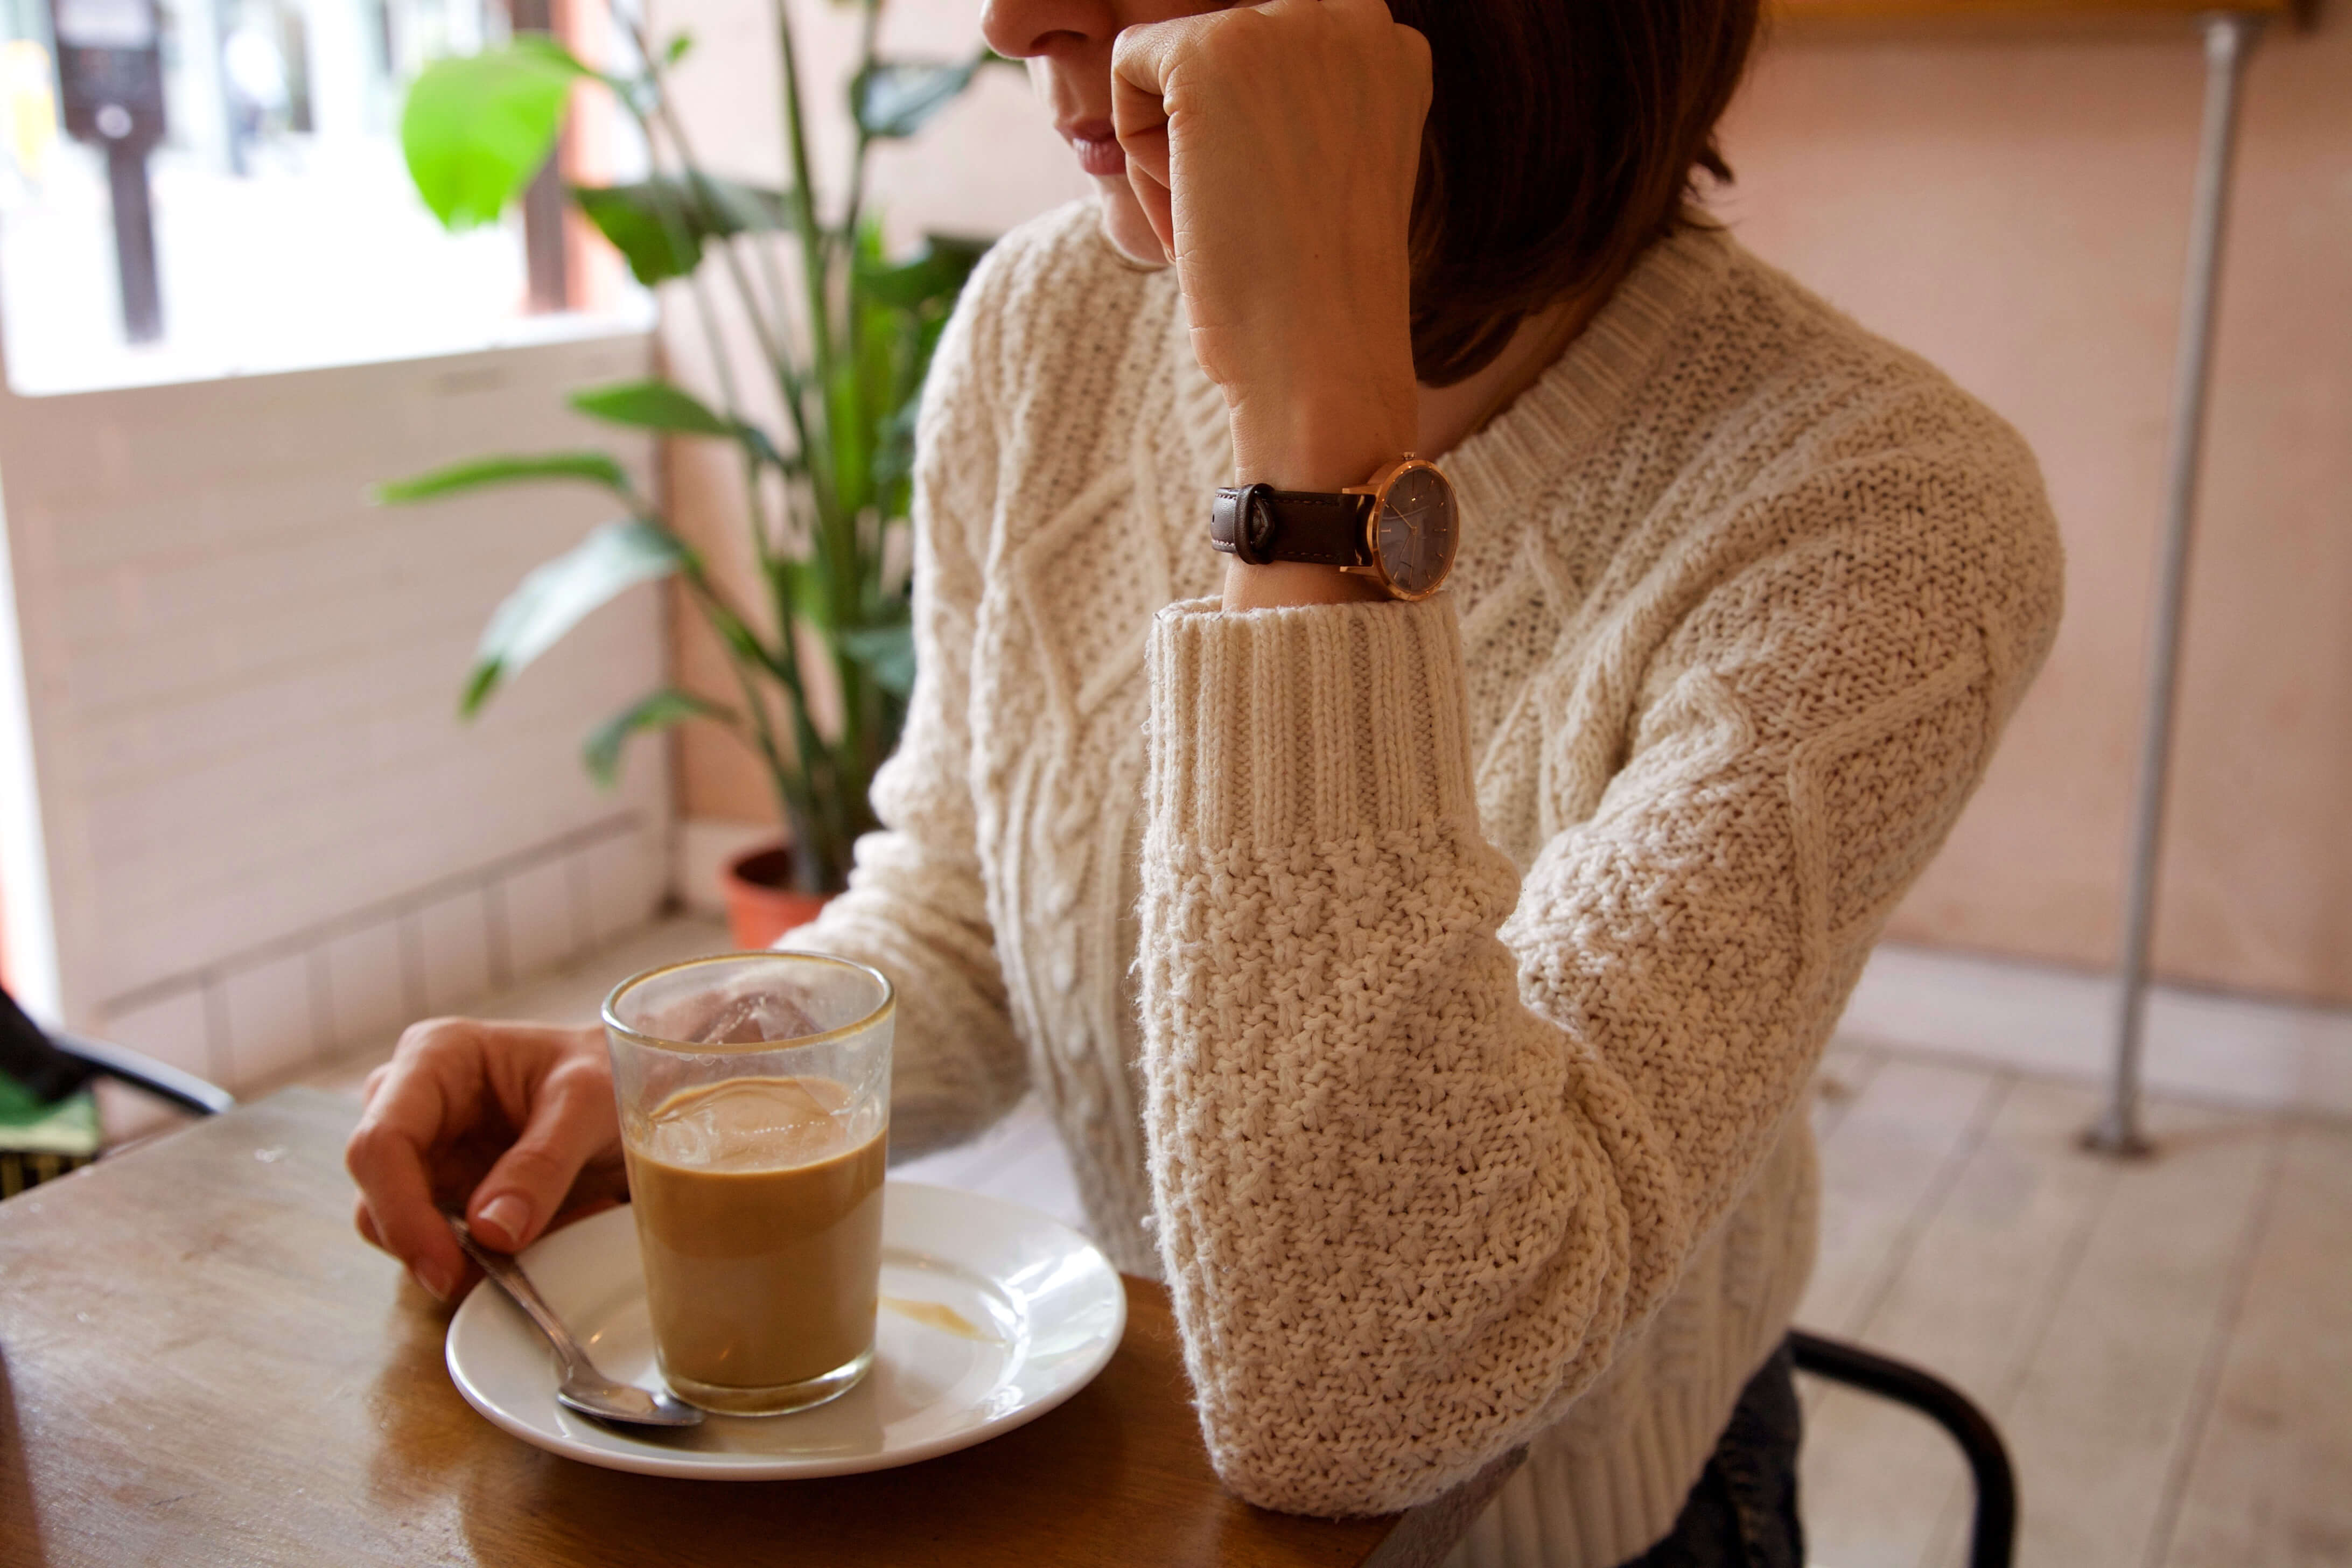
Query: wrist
(1321, 438)
(1289, 584)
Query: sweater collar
(1502, 469)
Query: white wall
(265, 833)
(2016, 208)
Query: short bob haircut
(1562, 139)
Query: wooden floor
(2167, 1343)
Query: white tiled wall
(366, 985)
(453, 944)
(267, 833)
(255, 1018)
(536, 906)
(269, 1025)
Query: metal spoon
(583, 1389)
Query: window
(285, 233)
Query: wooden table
(201, 1363)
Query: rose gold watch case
(1379, 490)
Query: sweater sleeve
(1429, 1143)
(915, 908)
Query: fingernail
(506, 1215)
(432, 1280)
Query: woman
(1426, 986)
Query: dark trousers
(1743, 1512)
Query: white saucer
(1041, 1310)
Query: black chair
(1992, 1540)
(51, 1066)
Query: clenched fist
(1273, 148)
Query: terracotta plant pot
(760, 904)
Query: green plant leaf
(763, 449)
(731, 207)
(807, 591)
(654, 710)
(557, 594)
(658, 405)
(900, 99)
(476, 129)
(886, 652)
(658, 246)
(934, 274)
(596, 468)
(894, 448)
(660, 225)
(651, 405)
(679, 44)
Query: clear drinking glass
(754, 1091)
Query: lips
(1095, 142)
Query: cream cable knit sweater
(1430, 991)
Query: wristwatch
(1399, 530)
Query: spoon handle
(517, 1285)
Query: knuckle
(428, 1036)
(1144, 40)
(1232, 41)
(534, 1166)
(580, 1076)
(366, 1151)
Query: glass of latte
(754, 1092)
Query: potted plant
(819, 642)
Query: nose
(1026, 29)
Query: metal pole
(2228, 39)
(544, 261)
(134, 241)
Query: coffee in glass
(754, 1101)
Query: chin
(1124, 225)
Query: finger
(402, 1219)
(388, 1155)
(572, 1121)
(1142, 61)
(1140, 57)
(1159, 204)
(364, 1223)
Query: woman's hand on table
(514, 1123)
(1275, 150)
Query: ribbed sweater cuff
(1307, 725)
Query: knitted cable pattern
(1429, 992)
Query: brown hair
(1562, 138)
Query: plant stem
(817, 283)
(869, 27)
(675, 129)
(821, 787)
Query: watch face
(1414, 533)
